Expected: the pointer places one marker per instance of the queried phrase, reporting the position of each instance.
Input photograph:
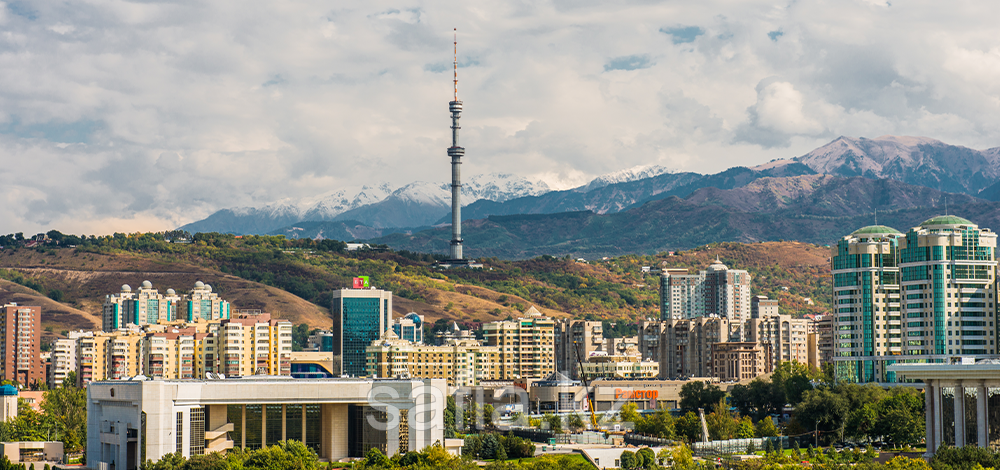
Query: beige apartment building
(249, 344)
(781, 338)
(461, 361)
(526, 345)
(683, 347)
(737, 361)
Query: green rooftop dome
(875, 229)
(946, 220)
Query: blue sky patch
(774, 35)
(629, 62)
(75, 132)
(683, 34)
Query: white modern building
(129, 422)
(961, 401)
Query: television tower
(456, 153)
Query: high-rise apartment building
(761, 306)
(63, 359)
(682, 347)
(147, 306)
(576, 340)
(203, 304)
(360, 316)
(112, 355)
(924, 296)
(716, 291)
(735, 361)
(781, 338)
(681, 294)
(865, 268)
(526, 345)
(20, 349)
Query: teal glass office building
(360, 316)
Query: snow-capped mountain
(623, 176)
(415, 204)
(915, 160)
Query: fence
(736, 446)
(639, 440)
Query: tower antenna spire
(456, 64)
(876, 216)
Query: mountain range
(808, 208)
(905, 167)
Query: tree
(721, 423)
(488, 412)
(645, 458)
(628, 413)
(501, 454)
(660, 424)
(822, 409)
(698, 394)
(794, 379)
(766, 428)
(745, 430)
(67, 406)
(758, 399)
(490, 446)
(575, 422)
(688, 427)
(554, 421)
(627, 460)
(682, 458)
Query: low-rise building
(627, 364)
(132, 421)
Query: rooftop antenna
(946, 205)
(876, 216)
(456, 65)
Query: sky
(142, 116)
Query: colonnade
(935, 406)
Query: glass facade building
(926, 296)
(360, 316)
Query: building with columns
(129, 422)
(961, 401)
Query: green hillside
(294, 278)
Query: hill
(813, 208)
(293, 279)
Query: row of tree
(492, 446)
(63, 418)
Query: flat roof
(942, 371)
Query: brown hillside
(56, 317)
(85, 278)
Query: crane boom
(586, 386)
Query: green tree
(490, 446)
(629, 413)
(758, 399)
(488, 412)
(794, 379)
(67, 406)
(721, 423)
(682, 458)
(646, 458)
(575, 422)
(745, 429)
(628, 461)
(697, 394)
(688, 427)
(766, 428)
(660, 424)
(554, 422)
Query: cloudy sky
(124, 116)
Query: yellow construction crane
(586, 386)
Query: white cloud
(122, 116)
